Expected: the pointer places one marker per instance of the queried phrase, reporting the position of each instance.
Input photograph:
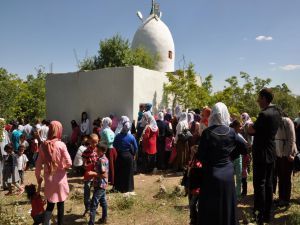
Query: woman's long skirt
(124, 181)
(217, 199)
(112, 157)
(182, 158)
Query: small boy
(100, 183)
(78, 161)
(22, 162)
(89, 157)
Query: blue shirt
(15, 139)
(125, 143)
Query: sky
(260, 37)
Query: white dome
(156, 37)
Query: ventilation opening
(170, 55)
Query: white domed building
(155, 36)
(120, 89)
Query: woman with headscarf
(126, 147)
(246, 120)
(149, 138)
(4, 140)
(218, 145)
(162, 128)
(107, 138)
(55, 159)
(182, 146)
(204, 119)
(120, 126)
(194, 127)
(176, 117)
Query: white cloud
(272, 63)
(264, 38)
(290, 67)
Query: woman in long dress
(126, 147)
(56, 160)
(182, 146)
(107, 138)
(217, 200)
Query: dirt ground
(150, 206)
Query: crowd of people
(207, 146)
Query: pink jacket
(56, 184)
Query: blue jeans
(98, 197)
(87, 194)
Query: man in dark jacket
(264, 155)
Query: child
(22, 162)
(100, 183)
(89, 157)
(237, 162)
(191, 181)
(24, 142)
(37, 204)
(10, 170)
(78, 162)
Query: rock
(162, 189)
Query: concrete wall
(100, 93)
(148, 88)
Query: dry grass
(169, 208)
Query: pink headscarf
(54, 134)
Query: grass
(149, 206)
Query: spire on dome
(154, 8)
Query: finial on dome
(152, 8)
(155, 9)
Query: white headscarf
(106, 123)
(149, 119)
(219, 115)
(124, 125)
(160, 116)
(5, 140)
(246, 118)
(183, 117)
(190, 117)
(177, 111)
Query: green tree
(116, 52)
(183, 89)
(22, 99)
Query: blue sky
(260, 37)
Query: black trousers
(263, 189)
(60, 211)
(283, 170)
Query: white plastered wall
(148, 88)
(101, 92)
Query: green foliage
(22, 99)
(239, 94)
(184, 90)
(116, 52)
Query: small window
(170, 54)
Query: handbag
(185, 135)
(297, 163)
